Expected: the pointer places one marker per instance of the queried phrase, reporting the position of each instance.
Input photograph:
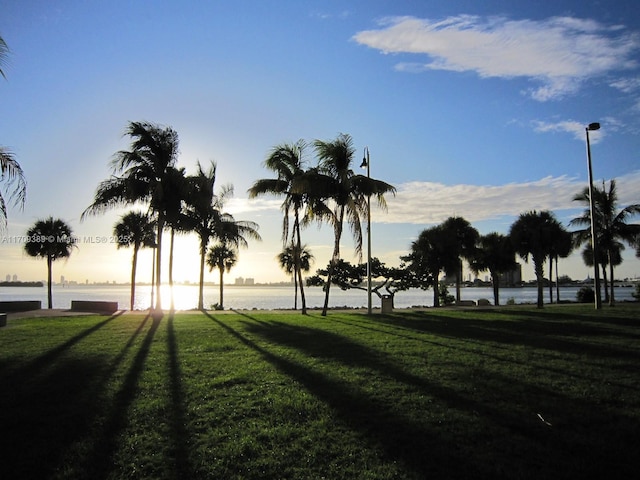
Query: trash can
(387, 304)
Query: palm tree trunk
(134, 262)
(495, 281)
(557, 283)
(173, 234)
(153, 277)
(458, 281)
(49, 296)
(539, 269)
(436, 290)
(605, 280)
(158, 261)
(301, 283)
(612, 296)
(221, 288)
(295, 288)
(334, 259)
(201, 280)
(550, 280)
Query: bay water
(271, 297)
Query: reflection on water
(266, 297)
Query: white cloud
(577, 129)
(560, 52)
(430, 203)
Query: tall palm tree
(203, 212)
(140, 175)
(287, 161)
(293, 261)
(137, 230)
(561, 247)
(10, 170)
(11, 173)
(531, 236)
(51, 239)
(223, 258)
(496, 254)
(176, 194)
(343, 192)
(610, 222)
(461, 243)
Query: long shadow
(180, 437)
(558, 336)
(413, 335)
(428, 452)
(44, 360)
(516, 416)
(101, 458)
(48, 408)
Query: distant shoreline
(21, 284)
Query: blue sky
(469, 108)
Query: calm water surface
(268, 297)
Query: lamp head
(594, 126)
(364, 163)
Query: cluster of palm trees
(329, 192)
(147, 174)
(536, 234)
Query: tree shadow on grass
(46, 406)
(563, 337)
(583, 439)
(421, 448)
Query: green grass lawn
(513, 392)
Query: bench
(94, 306)
(20, 306)
(465, 303)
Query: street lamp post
(366, 162)
(594, 240)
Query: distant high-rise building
(15, 277)
(249, 281)
(8, 277)
(239, 281)
(512, 278)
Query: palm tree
(51, 239)
(343, 192)
(287, 161)
(427, 258)
(205, 210)
(561, 247)
(203, 213)
(10, 169)
(176, 194)
(461, 243)
(611, 224)
(496, 254)
(531, 235)
(223, 258)
(292, 261)
(137, 230)
(144, 173)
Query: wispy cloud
(427, 203)
(559, 53)
(577, 129)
